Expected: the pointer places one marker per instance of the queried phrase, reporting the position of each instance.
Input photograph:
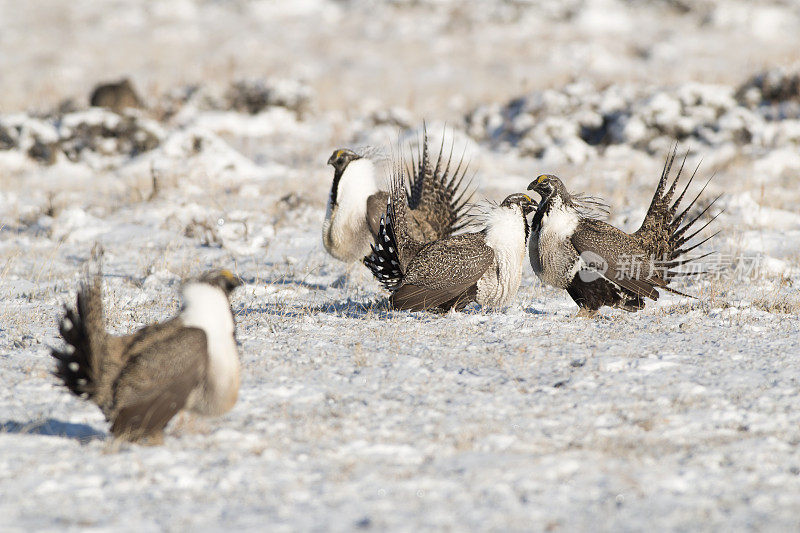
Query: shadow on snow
(52, 428)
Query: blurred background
(433, 57)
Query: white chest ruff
(550, 250)
(345, 233)
(207, 308)
(505, 235)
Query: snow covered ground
(684, 416)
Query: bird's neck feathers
(555, 204)
(560, 217)
(345, 233)
(506, 229)
(353, 186)
(208, 308)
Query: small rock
(116, 96)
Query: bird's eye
(340, 160)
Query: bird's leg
(585, 312)
(152, 439)
(188, 423)
(342, 281)
(354, 277)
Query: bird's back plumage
(445, 273)
(148, 392)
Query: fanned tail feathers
(443, 196)
(82, 328)
(663, 232)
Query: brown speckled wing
(445, 271)
(620, 252)
(155, 383)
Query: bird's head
(525, 202)
(225, 280)
(341, 158)
(547, 186)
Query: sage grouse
(438, 202)
(140, 381)
(598, 264)
(450, 273)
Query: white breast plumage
(505, 234)
(206, 307)
(549, 246)
(345, 233)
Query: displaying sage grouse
(450, 273)
(598, 264)
(140, 381)
(437, 198)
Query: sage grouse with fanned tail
(437, 197)
(598, 264)
(140, 381)
(450, 273)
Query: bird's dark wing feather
(155, 383)
(599, 292)
(626, 263)
(444, 272)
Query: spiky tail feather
(436, 185)
(663, 232)
(77, 365)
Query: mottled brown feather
(610, 243)
(437, 195)
(444, 271)
(376, 207)
(149, 392)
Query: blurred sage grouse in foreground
(437, 198)
(141, 381)
(598, 264)
(450, 273)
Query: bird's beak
(331, 159)
(536, 185)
